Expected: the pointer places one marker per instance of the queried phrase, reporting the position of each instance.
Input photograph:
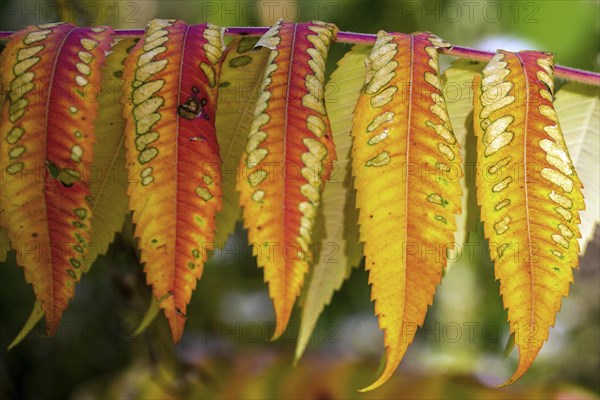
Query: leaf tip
(300, 347)
(372, 386)
(510, 381)
(387, 373)
(283, 312)
(296, 359)
(36, 315)
(18, 339)
(51, 326)
(150, 316)
(176, 323)
(279, 329)
(525, 361)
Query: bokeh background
(225, 353)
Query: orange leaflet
(288, 158)
(53, 72)
(173, 155)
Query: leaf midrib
(408, 137)
(526, 193)
(176, 164)
(285, 132)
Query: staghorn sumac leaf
(578, 110)
(528, 192)
(287, 159)
(171, 79)
(406, 164)
(339, 250)
(47, 120)
(243, 69)
(108, 183)
(109, 186)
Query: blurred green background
(225, 352)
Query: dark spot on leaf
(192, 107)
(240, 61)
(52, 168)
(247, 43)
(118, 74)
(180, 313)
(66, 184)
(224, 84)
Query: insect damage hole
(193, 106)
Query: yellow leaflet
(339, 250)
(407, 168)
(109, 187)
